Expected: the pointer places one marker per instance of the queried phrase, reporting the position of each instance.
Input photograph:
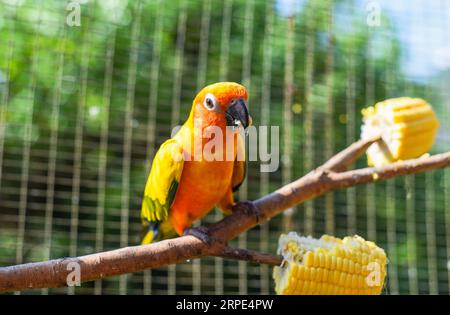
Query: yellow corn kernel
(328, 266)
(309, 259)
(328, 261)
(342, 279)
(354, 281)
(313, 274)
(317, 288)
(319, 275)
(407, 126)
(333, 263)
(294, 271)
(306, 287)
(357, 268)
(345, 265)
(307, 273)
(301, 272)
(336, 275)
(326, 275)
(361, 282)
(298, 287)
(351, 266)
(322, 260)
(339, 263)
(364, 259)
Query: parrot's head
(222, 104)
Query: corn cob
(329, 265)
(407, 126)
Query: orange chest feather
(202, 185)
(204, 182)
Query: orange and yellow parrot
(182, 188)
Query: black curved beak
(237, 112)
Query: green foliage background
(83, 110)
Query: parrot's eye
(210, 102)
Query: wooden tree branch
(246, 215)
(341, 161)
(250, 255)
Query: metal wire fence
(83, 109)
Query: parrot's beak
(237, 114)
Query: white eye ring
(210, 102)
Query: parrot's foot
(201, 232)
(248, 208)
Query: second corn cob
(329, 265)
(407, 126)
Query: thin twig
(341, 161)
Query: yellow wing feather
(162, 182)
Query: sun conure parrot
(181, 188)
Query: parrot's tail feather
(150, 232)
(148, 238)
(157, 231)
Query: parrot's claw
(201, 233)
(248, 208)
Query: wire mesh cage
(86, 100)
